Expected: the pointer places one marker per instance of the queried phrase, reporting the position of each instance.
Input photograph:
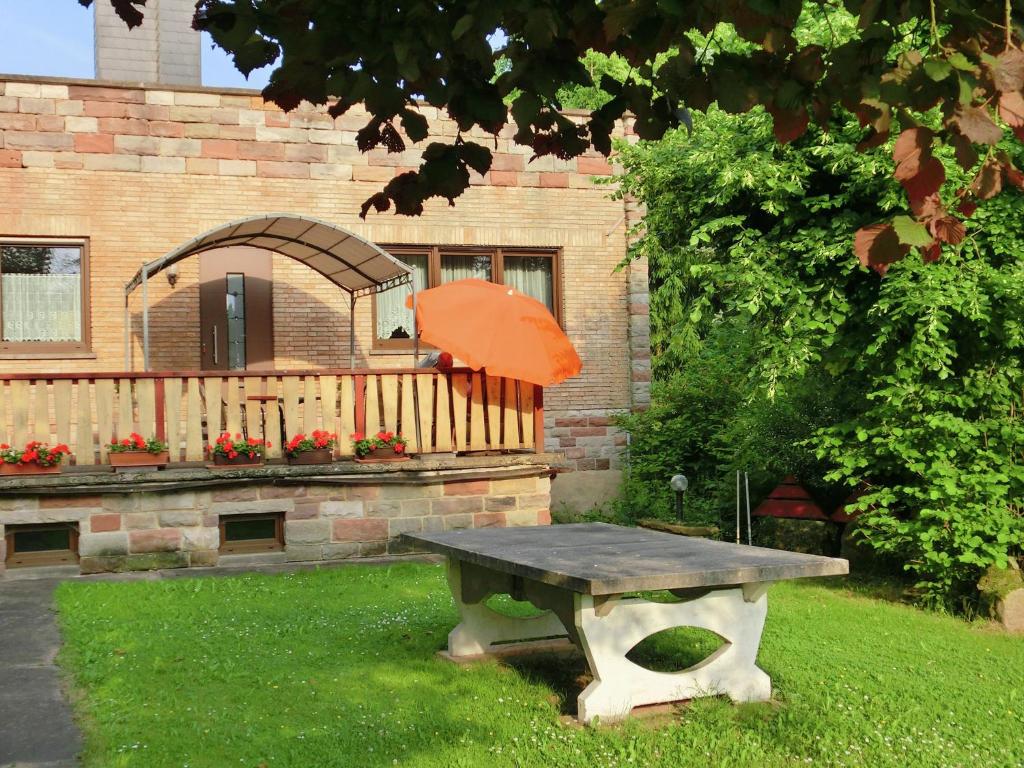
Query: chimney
(165, 49)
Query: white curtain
(392, 314)
(461, 266)
(42, 307)
(531, 275)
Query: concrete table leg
(608, 630)
(483, 629)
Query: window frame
(497, 254)
(252, 546)
(45, 557)
(52, 349)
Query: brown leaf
(878, 245)
(948, 229)
(966, 155)
(928, 180)
(931, 253)
(989, 181)
(1008, 72)
(789, 125)
(1011, 108)
(1013, 175)
(909, 147)
(976, 125)
(967, 208)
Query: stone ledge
(417, 471)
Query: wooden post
(360, 404)
(161, 415)
(538, 418)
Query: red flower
(232, 454)
(238, 435)
(399, 448)
(4, 447)
(357, 436)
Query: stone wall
(324, 519)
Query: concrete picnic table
(580, 576)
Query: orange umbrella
(496, 327)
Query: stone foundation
(171, 519)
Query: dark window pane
(236, 321)
(41, 293)
(459, 266)
(42, 540)
(246, 530)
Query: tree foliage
(901, 61)
(911, 386)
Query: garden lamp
(679, 484)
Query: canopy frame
(364, 268)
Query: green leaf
(462, 26)
(911, 232)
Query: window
(43, 297)
(531, 271)
(252, 533)
(235, 296)
(49, 544)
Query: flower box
(139, 459)
(30, 468)
(315, 456)
(241, 460)
(381, 455)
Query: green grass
(337, 668)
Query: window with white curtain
(41, 295)
(531, 271)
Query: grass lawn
(337, 668)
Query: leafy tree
(959, 60)
(912, 385)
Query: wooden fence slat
(409, 425)
(253, 386)
(172, 418)
(477, 438)
(63, 393)
(41, 415)
(272, 414)
(526, 413)
(310, 411)
(460, 400)
(19, 412)
(104, 415)
(214, 398)
(85, 452)
(145, 392)
(425, 403)
(373, 420)
(346, 416)
(290, 391)
(444, 418)
(232, 408)
(329, 404)
(493, 412)
(510, 439)
(194, 448)
(5, 435)
(389, 394)
(125, 409)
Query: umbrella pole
(351, 330)
(415, 363)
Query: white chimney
(165, 49)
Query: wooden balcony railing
(437, 412)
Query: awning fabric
(346, 259)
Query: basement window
(241, 534)
(43, 544)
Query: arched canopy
(347, 260)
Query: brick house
(100, 177)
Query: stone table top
(604, 559)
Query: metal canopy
(354, 264)
(347, 260)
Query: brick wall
(139, 171)
(180, 529)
